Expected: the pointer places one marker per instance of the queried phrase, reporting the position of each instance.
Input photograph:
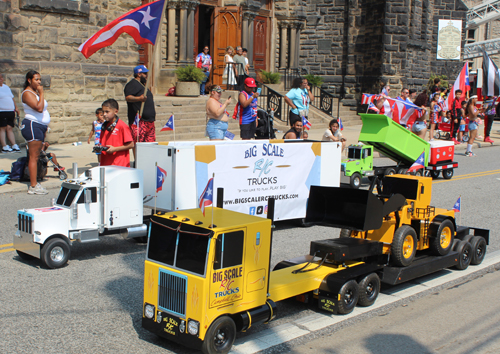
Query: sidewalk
(67, 154)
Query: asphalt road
(95, 303)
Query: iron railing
(323, 100)
(289, 75)
(272, 100)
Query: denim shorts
(472, 125)
(418, 126)
(32, 130)
(462, 127)
(216, 129)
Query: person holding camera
(204, 62)
(333, 133)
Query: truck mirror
(88, 196)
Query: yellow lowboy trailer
(208, 277)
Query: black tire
(447, 136)
(435, 174)
(389, 171)
(401, 171)
(447, 174)
(369, 288)
(442, 242)
(418, 173)
(427, 173)
(437, 135)
(220, 336)
(348, 297)
(355, 180)
(345, 233)
(55, 253)
(62, 175)
(404, 246)
(478, 245)
(465, 138)
(464, 250)
(25, 256)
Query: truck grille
(25, 222)
(172, 292)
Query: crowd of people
(463, 118)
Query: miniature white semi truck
(101, 201)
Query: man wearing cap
(134, 95)
(246, 109)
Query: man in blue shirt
(204, 62)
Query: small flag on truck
(417, 165)
(207, 197)
(458, 205)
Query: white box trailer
(249, 172)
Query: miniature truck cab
(359, 163)
(103, 200)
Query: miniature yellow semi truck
(208, 277)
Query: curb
(280, 338)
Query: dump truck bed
(391, 139)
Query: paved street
(95, 303)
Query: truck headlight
(193, 327)
(149, 311)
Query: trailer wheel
(478, 245)
(55, 253)
(465, 138)
(442, 242)
(402, 171)
(348, 297)
(447, 174)
(389, 171)
(25, 256)
(418, 173)
(62, 175)
(437, 135)
(464, 250)
(403, 246)
(369, 288)
(345, 233)
(434, 174)
(355, 180)
(220, 336)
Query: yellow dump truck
(208, 277)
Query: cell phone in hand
(259, 90)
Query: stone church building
(353, 44)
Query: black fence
(272, 100)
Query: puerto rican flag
(461, 83)
(341, 126)
(141, 23)
(306, 124)
(404, 112)
(169, 125)
(160, 178)
(457, 207)
(373, 107)
(207, 197)
(137, 119)
(417, 165)
(367, 98)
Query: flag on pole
(457, 207)
(141, 23)
(229, 135)
(491, 77)
(373, 107)
(207, 196)
(169, 125)
(341, 126)
(367, 98)
(305, 123)
(461, 83)
(136, 120)
(420, 163)
(160, 178)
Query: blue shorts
(473, 125)
(216, 129)
(418, 126)
(33, 131)
(462, 127)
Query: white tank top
(31, 114)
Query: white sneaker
(15, 148)
(38, 189)
(6, 149)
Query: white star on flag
(147, 17)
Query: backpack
(41, 168)
(17, 169)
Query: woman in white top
(333, 133)
(34, 125)
(229, 75)
(8, 111)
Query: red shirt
(120, 136)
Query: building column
(171, 34)
(250, 30)
(244, 31)
(283, 45)
(190, 43)
(183, 23)
(297, 30)
(293, 47)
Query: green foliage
(190, 74)
(314, 80)
(444, 81)
(268, 77)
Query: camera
(99, 148)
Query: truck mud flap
(353, 209)
(420, 267)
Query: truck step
(345, 249)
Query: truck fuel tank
(345, 249)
